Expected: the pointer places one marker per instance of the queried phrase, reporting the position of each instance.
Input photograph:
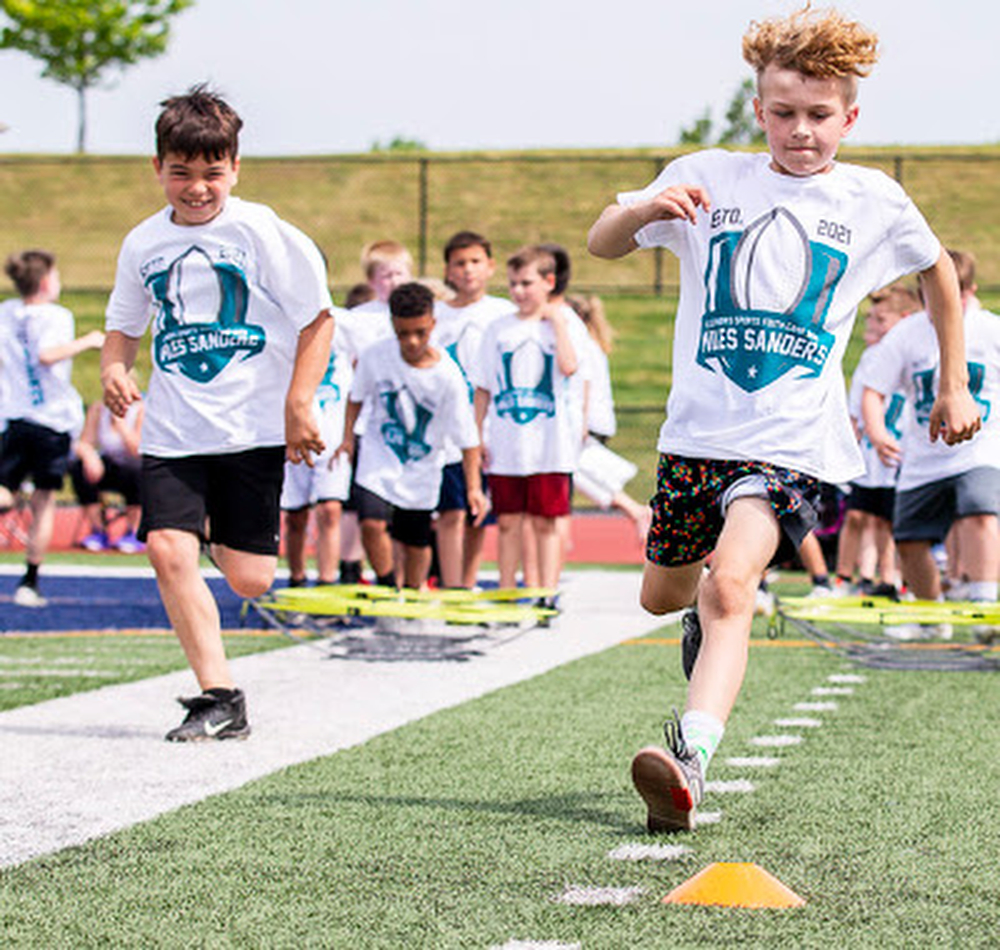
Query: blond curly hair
(822, 44)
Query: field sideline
(510, 817)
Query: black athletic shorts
(411, 527)
(228, 499)
(36, 452)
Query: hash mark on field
(736, 785)
(845, 678)
(536, 945)
(707, 818)
(580, 895)
(800, 722)
(648, 852)
(775, 741)
(832, 691)
(815, 707)
(753, 762)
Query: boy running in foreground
(776, 250)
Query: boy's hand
(888, 449)
(120, 389)
(954, 417)
(345, 448)
(679, 201)
(479, 506)
(93, 340)
(302, 438)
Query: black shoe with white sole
(212, 717)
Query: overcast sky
(330, 76)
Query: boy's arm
(478, 503)
(566, 358)
(312, 356)
(480, 406)
(613, 233)
(954, 415)
(346, 446)
(117, 358)
(873, 416)
(66, 351)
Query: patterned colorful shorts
(687, 506)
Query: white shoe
(919, 631)
(26, 596)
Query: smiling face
(196, 188)
(804, 119)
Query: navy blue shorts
(35, 452)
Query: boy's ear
(758, 111)
(850, 119)
(157, 165)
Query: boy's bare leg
(529, 554)
(920, 572)
(978, 538)
(450, 530)
(43, 515)
(378, 546)
(472, 554)
(296, 528)
(509, 548)
(666, 589)
(327, 540)
(748, 541)
(549, 539)
(189, 603)
(849, 544)
(416, 566)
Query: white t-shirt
(771, 278)
(36, 393)
(412, 411)
(877, 473)
(533, 425)
(368, 323)
(227, 301)
(601, 402)
(908, 359)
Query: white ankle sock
(981, 590)
(703, 733)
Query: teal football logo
(405, 431)
(768, 292)
(202, 317)
(526, 384)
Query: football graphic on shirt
(527, 365)
(526, 383)
(193, 288)
(768, 290)
(405, 430)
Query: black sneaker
(690, 640)
(670, 781)
(212, 718)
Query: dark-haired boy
(240, 340)
(468, 269)
(417, 400)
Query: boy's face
(196, 188)
(529, 290)
(386, 277)
(469, 270)
(880, 320)
(414, 335)
(804, 119)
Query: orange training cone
(728, 884)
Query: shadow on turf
(90, 732)
(578, 806)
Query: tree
(741, 125)
(81, 41)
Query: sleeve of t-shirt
(293, 272)
(129, 307)
(885, 363)
(481, 370)
(57, 329)
(661, 233)
(462, 425)
(362, 383)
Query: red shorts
(545, 494)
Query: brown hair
(965, 267)
(533, 254)
(357, 295)
(198, 123)
(464, 239)
(899, 298)
(27, 270)
(590, 310)
(383, 252)
(822, 44)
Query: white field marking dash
(832, 691)
(536, 945)
(775, 742)
(799, 722)
(707, 818)
(753, 761)
(584, 896)
(648, 852)
(828, 706)
(846, 678)
(742, 785)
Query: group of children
(777, 251)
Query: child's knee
(250, 580)
(729, 592)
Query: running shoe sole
(663, 786)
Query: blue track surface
(105, 603)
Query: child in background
(468, 269)
(107, 459)
(940, 486)
(777, 250)
(37, 346)
(522, 381)
(324, 486)
(241, 338)
(417, 400)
